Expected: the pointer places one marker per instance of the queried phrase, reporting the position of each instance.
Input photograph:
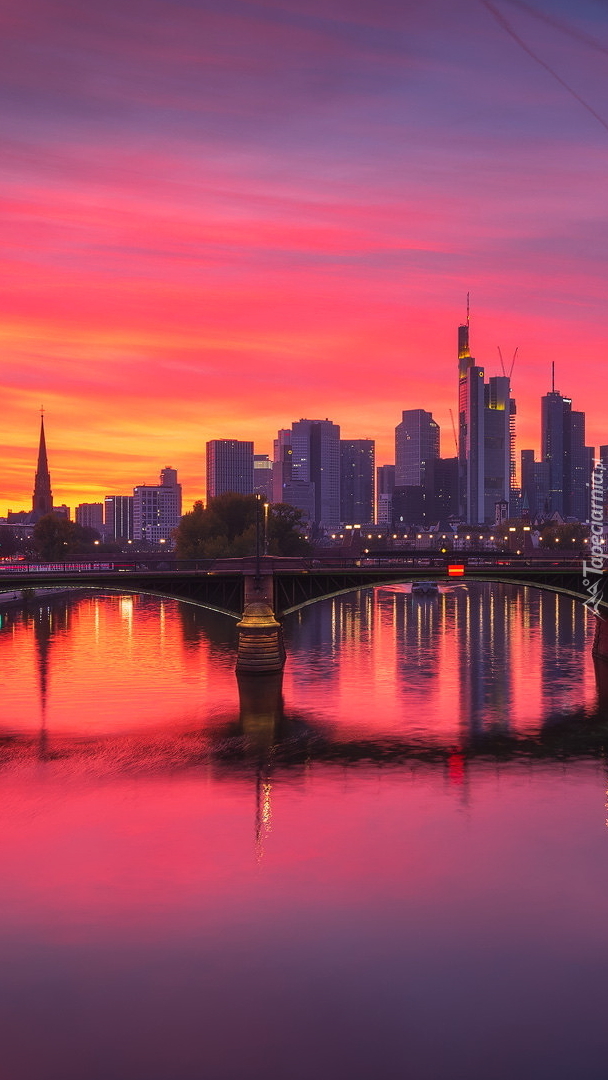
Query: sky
(219, 216)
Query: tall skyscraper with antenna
(42, 502)
(486, 437)
(470, 430)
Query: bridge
(259, 591)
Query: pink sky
(220, 216)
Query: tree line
(229, 526)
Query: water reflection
(380, 675)
(382, 864)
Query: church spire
(43, 496)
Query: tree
(55, 537)
(228, 527)
(8, 542)
(567, 538)
(284, 531)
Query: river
(392, 864)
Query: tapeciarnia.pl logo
(594, 568)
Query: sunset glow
(219, 217)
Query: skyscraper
(568, 460)
(498, 417)
(357, 481)
(281, 467)
(471, 401)
(534, 486)
(416, 449)
(229, 467)
(316, 459)
(486, 437)
(42, 502)
(556, 447)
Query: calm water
(394, 865)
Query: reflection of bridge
(283, 586)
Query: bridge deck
(219, 585)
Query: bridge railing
(414, 560)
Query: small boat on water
(426, 588)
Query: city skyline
(217, 476)
(228, 217)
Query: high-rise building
(262, 476)
(118, 517)
(568, 460)
(357, 481)
(281, 468)
(579, 501)
(90, 516)
(534, 486)
(486, 437)
(471, 403)
(298, 493)
(157, 509)
(416, 449)
(229, 467)
(556, 447)
(446, 489)
(316, 459)
(498, 424)
(385, 485)
(42, 502)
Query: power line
(564, 27)
(500, 19)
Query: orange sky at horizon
(219, 223)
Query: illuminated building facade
(157, 509)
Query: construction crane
(502, 364)
(454, 431)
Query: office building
(534, 486)
(281, 466)
(118, 517)
(445, 503)
(416, 449)
(486, 438)
(229, 467)
(568, 460)
(498, 440)
(90, 516)
(157, 509)
(262, 476)
(316, 460)
(357, 481)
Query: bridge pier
(260, 637)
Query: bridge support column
(600, 641)
(260, 647)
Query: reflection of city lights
(126, 612)
(267, 805)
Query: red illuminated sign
(455, 570)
